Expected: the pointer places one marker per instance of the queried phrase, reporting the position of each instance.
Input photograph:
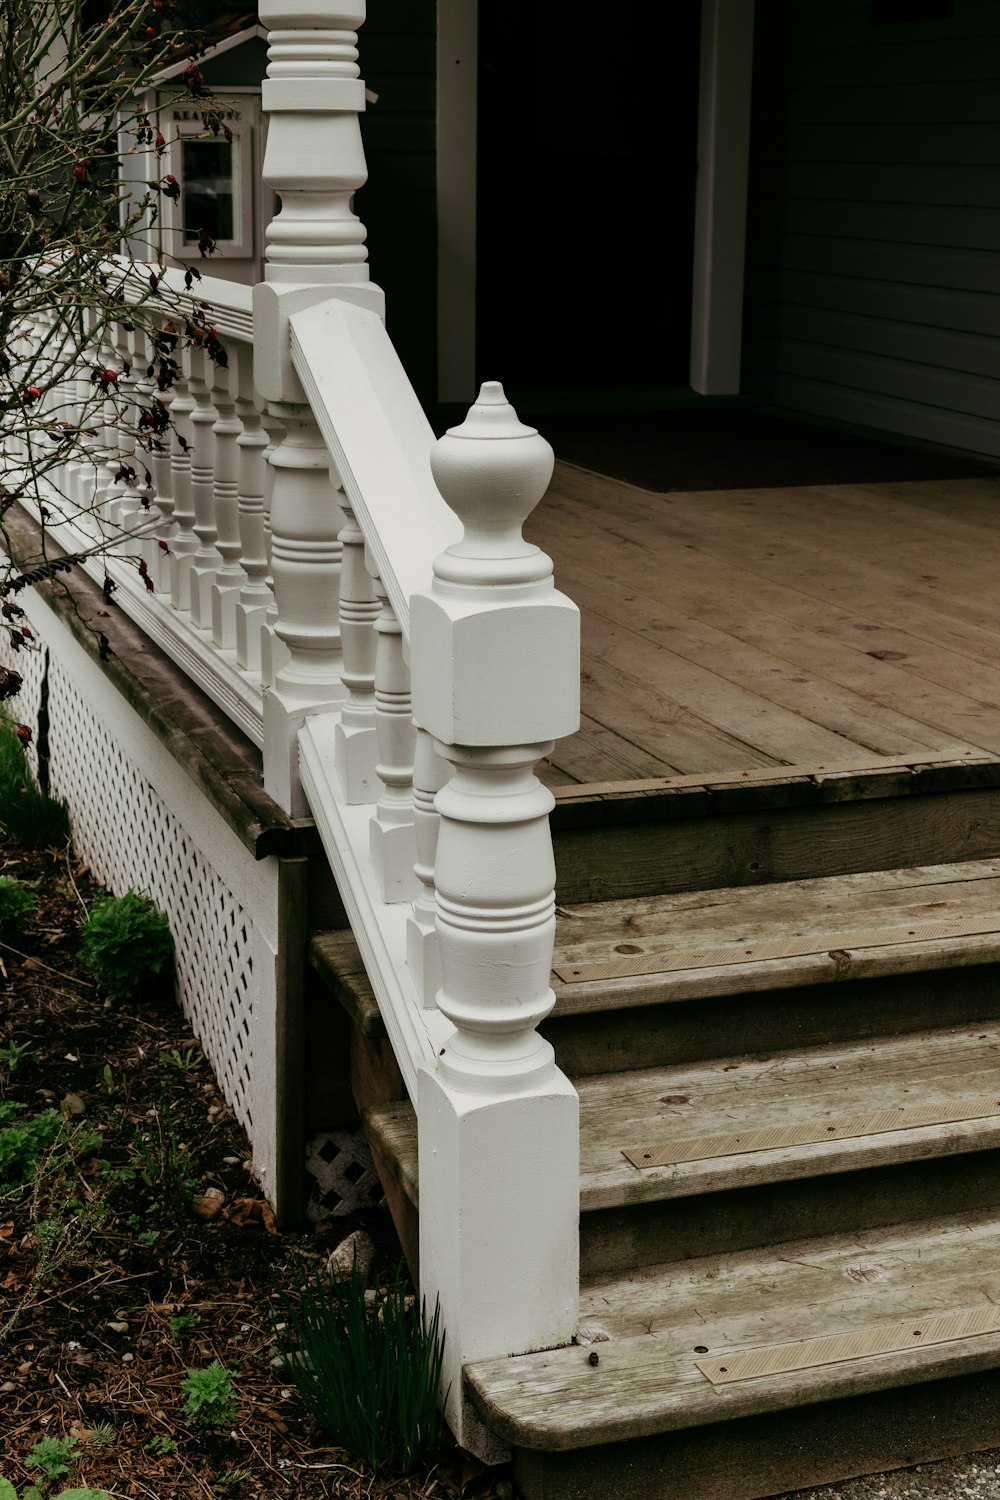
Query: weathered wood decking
(746, 630)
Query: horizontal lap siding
(399, 204)
(873, 285)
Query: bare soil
(101, 1252)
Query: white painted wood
(183, 543)
(225, 588)
(380, 929)
(305, 568)
(457, 87)
(495, 652)
(430, 774)
(206, 561)
(357, 743)
(393, 845)
(255, 597)
(721, 194)
(380, 440)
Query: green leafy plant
(175, 1058)
(22, 1141)
(27, 813)
(368, 1372)
(55, 1456)
(183, 1323)
(8, 1492)
(208, 1394)
(102, 1435)
(126, 943)
(16, 905)
(160, 1445)
(13, 1055)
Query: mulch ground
(111, 1287)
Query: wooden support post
(315, 249)
(498, 1122)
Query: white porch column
(498, 1122)
(315, 249)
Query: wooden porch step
(621, 840)
(894, 1315)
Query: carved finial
(492, 470)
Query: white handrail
(380, 441)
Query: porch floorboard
(738, 630)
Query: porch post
(315, 250)
(495, 660)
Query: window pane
(207, 190)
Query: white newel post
(495, 669)
(315, 250)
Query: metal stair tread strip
(663, 1326)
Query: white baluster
(205, 562)
(305, 567)
(356, 744)
(500, 1246)
(255, 597)
(430, 774)
(158, 402)
(392, 844)
(224, 591)
(272, 651)
(184, 542)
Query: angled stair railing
(361, 602)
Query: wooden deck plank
(705, 613)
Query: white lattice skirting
(140, 822)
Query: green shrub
(368, 1374)
(126, 943)
(16, 905)
(208, 1395)
(27, 814)
(22, 1142)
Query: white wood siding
(874, 263)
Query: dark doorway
(587, 143)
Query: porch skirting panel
(140, 822)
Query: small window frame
(182, 124)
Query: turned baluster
(305, 568)
(106, 376)
(204, 563)
(156, 446)
(255, 597)
(128, 491)
(392, 845)
(229, 579)
(495, 662)
(272, 651)
(184, 542)
(356, 742)
(88, 417)
(430, 774)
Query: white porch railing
(360, 600)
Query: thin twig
(37, 962)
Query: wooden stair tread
(619, 1112)
(616, 954)
(949, 1069)
(661, 1323)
